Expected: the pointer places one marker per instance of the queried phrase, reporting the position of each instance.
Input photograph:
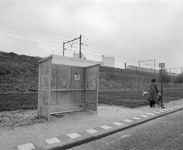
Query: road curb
(104, 134)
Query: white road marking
(117, 123)
(52, 140)
(106, 127)
(91, 131)
(137, 118)
(157, 112)
(150, 114)
(161, 110)
(125, 136)
(74, 135)
(28, 146)
(144, 116)
(171, 108)
(165, 109)
(128, 120)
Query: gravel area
(19, 118)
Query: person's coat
(152, 93)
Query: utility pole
(80, 55)
(162, 65)
(125, 65)
(63, 48)
(79, 38)
(154, 66)
(147, 61)
(161, 87)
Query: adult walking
(152, 93)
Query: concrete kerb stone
(92, 137)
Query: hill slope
(18, 72)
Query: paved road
(165, 133)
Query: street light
(162, 65)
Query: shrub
(179, 79)
(165, 77)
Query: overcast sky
(129, 30)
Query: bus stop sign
(161, 65)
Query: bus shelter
(67, 84)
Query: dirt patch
(19, 118)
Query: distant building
(108, 61)
(76, 55)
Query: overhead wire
(9, 29)
(66, 48)
(29, 37)
(116, 55)
(96, 45)
(106, 51)
(116, 59)
(27, 41)
(102, 53)
(14, 28)
(20, 26)
(54, 51)
(111, 54)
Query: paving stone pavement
(80, 127)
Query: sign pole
(162, 65)
(161, 87)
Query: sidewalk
(68, 130)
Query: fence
(172, 85)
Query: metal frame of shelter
(67, 84)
